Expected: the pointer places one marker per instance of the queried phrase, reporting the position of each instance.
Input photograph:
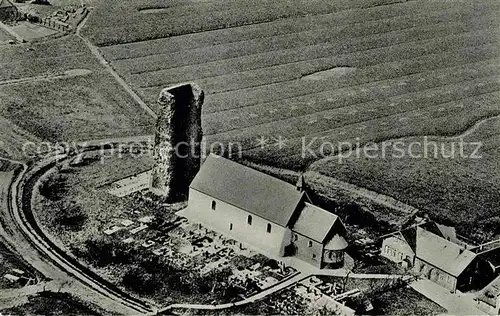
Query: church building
(265, 212)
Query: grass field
(48, 303)
(71, 109)
(422, 67)
(4, 36)
(460, 191)
(414, 65)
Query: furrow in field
(357, 24)
(420, 83)
(378, 72)
(326, 120)
(322, 56)
(38, 67)
(287, 55)
(136, 27)
(376, 129)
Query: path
(343, 273)
(65, 75)
(95, 51)
(52, 286)
(273, 289)
(24, 238)
(455, 304)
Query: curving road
(19, 229)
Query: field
(460, 190)
(79, 108)
(394, 69)
(413, 66)
(4, 36)
(48, 303)
(30, 31)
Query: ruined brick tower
(177, 141)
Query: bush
(70, 216)
(54, 187)
(101, 251)
(140, 281)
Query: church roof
(314, 222)
(336, 243)
(248, 189)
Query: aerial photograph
(249, 157)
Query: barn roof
(441, 253)
(247, 189)
(490, 293)
(314, 222)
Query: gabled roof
(247, 189)
(410, 233)
(490, 293)
(410, 236)
(314, 222)
(441, 253)
(6, 4)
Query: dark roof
(248, 189)
(410, 235)
(314, 222)
(492, 256)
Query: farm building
(400, 246)
(8, 11)
(264, 212)
(446, 263)
(434, 251)
(397, 249)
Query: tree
(53, 187)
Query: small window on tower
(231, 226)
(214, 205)
(269, 228)
(249, 219)
(310, 243)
